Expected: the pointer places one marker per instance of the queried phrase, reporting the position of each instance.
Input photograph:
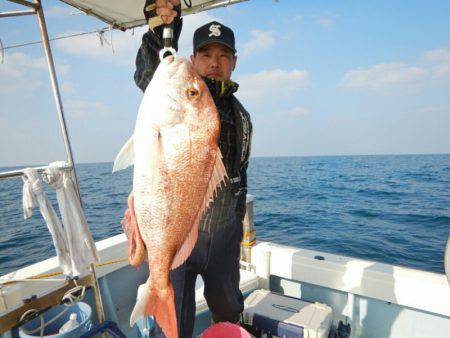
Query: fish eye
(192, 93)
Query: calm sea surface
(393, 209)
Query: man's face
(215, 61)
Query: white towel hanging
(80, 242)
(32, 193)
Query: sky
(318, 78)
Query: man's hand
(164, 9)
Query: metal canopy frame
(136, 19)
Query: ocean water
(393, 209)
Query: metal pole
(98, 297)
(17, 13)
(18, 173)
(62, 121)
(56, 92)
(26, 3)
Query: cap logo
(215, 30)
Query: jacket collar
(220, 89)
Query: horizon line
(264, 156)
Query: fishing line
(2, 52)
(97, 31)
(100, 37)
(111, 38)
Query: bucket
(55, 318)
(225, 329)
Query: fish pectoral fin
(125, 158)
(218, 176)
(186, 249)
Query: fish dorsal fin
(125, 158)
(218, 175)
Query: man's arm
(147, 59)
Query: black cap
(213, 32)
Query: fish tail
(159, 303)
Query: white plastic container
(70, 324)
(287, 317)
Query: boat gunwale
(385, 282)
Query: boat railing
(20, 172)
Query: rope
(43, 324)
(97, 31)
(120, 260)
(111, 38)
(46, 275)
(72, 296)
(100, 37)
(30, 312)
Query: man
(216, 254)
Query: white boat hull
(378, 300)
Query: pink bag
(225, 329)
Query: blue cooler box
(287, 317)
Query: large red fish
(177, 169)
